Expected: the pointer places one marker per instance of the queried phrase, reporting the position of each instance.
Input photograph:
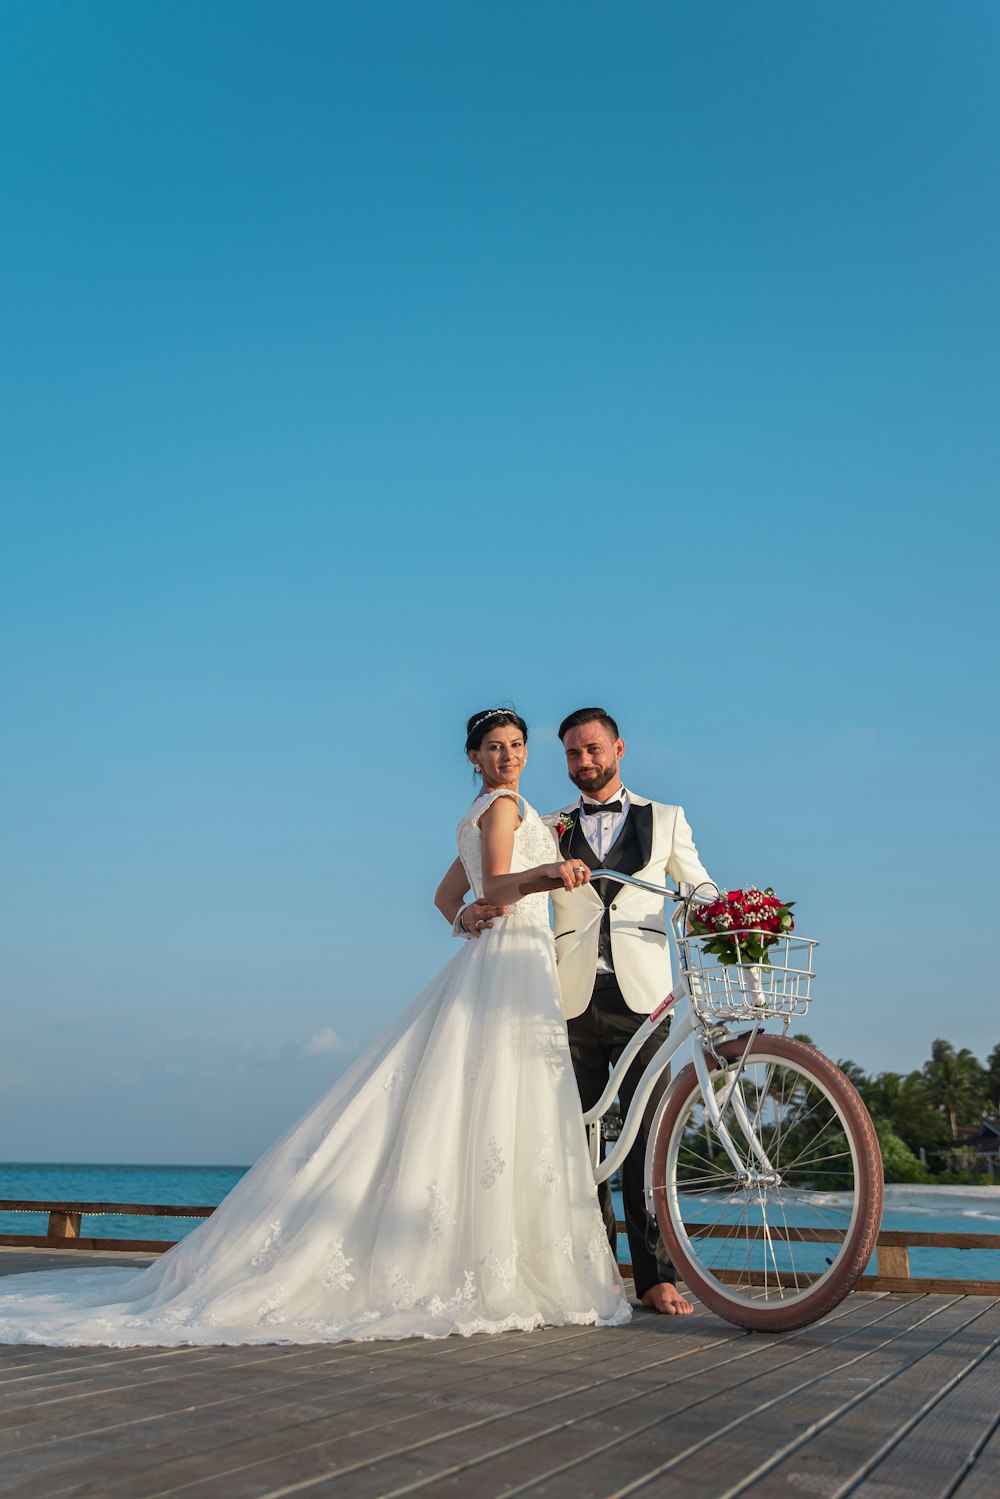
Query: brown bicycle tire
(857, 1248)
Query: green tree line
(923, 1116)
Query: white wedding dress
(441, 1186)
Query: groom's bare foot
(667, 1299)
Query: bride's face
(501, 757)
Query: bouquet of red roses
(743, 924)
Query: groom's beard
(593, 780)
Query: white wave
(958, 1202)
(962, 1202)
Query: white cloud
(323, 1041)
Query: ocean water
(185, 1186)
(967, 1210)
(931, 1209)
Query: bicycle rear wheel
(784, 1248)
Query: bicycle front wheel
(780, 1243)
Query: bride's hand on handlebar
(571, 873)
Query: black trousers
(597, 1039)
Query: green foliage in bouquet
(742, 924)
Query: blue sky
(365, 364)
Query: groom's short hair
(589, 715)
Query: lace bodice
(534, 844)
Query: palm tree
(856, 1075)
(905, 1103)
(954, 1082)
(992, 1079)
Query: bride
(442, 1185)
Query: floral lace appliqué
(598, 1247)
(180, 1316)
(534, 844)
(504, 1269)
(545, 1172)
(402, 1290)
(338, 1276)
(269, 1314)
(458, 1302)
(270, 1249)
(442, 1220)
(494, 1164)
(556, 1053)
(396, 1078)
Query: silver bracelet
(458, 926)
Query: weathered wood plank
(580, 1412)
(724, 1431)
(983, 1479)
(616, 1418)
(18, 1260)
(119, 1372)
(84, 1244)
(386, 1361)
(899, 1415)
(930, 1285)
(353, 1412)
(943, 1443)
(938, 1240)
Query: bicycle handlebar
(684, 893)
(629, 879)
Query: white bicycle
(762, 1165)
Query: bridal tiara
(492, 713)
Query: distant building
(987, 1138)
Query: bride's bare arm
(451, 893)
(498, 825)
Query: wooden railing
(892, 1259)
(892, 1262)
(65, 1221)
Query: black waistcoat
(629, 852)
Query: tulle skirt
(441, 1186)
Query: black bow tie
(592, 809)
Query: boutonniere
(564, 825)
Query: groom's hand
(478, 915)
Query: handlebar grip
(630, 879)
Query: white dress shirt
(601, 828)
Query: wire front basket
(744, 990)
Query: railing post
(64, 1225)
(894, 1260)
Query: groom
(614, 956)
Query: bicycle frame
(689, 1027)
(761, 1244)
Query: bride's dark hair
(481, 723)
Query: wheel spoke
(748, 1257)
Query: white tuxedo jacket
(640, 945)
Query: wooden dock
(891, 1395)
